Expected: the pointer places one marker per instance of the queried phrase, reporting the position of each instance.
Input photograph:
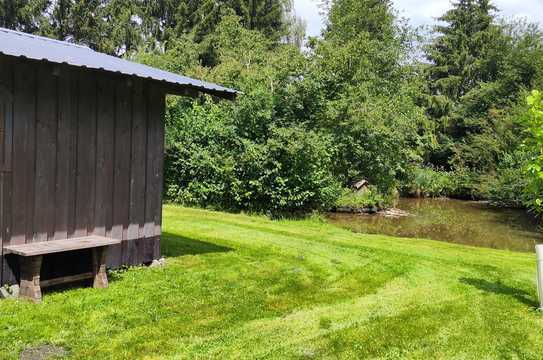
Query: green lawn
(239, 286)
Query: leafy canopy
(534, 141)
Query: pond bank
(463, 222)
(387, 212)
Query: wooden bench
(31, 255)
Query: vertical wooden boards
(161, 108)
(46, 152)
(105, 158)
(81, 153)
(134, 249)
(5, 105)
(6, 273)
(6, 136)
(105, 149)
(5, 220)
(66, 154)
(152, 185)
(155, 149)
(6, 112)
(161, 104)
(121, 177)
(86, 151)
(24, 115)
(2, 237)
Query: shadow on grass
(174, 245)
(501, 289)
(171, 246)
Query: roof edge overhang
(36, 48)
(169, 88)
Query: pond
(462, 222)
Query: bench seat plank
(57, 246)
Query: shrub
(369, 198)
(533, 120)
(429, 182)
(200, 148)
(290, 173)
(210, 163)
(466, 184)
(507, 186)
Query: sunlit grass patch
(238, 286)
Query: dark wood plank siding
(66, 154)
(155, 144)
(24, 133)
(46, 154)
(83, 155)
(86, 150)
(134, 249)
(6, 144)
(121, 171)
(6, 113)
(105, 150)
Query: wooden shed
(81, 160)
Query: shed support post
(30, 268)
(99, 268)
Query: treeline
(120, 27)
(437, 115)
(481, 70)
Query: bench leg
(30, 268)
(99, 268)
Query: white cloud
(424, 12)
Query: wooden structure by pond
(81, 160)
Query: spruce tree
(479, 68)
(266, 16)
(23, 15)
(463, 58)
(458, 52)
(121, 26)
(170, 19)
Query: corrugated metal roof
(14, 43)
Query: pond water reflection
(462, 222)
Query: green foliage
(210, 163)
(370, 197)
(347, 19)
(306, 124)
(23, 15)
(199, 162)
(460, 52)
(361, 90)
(480, 70)
(182, 57)
(121, 27)
(358, 103)
(168, 20)
(247, 154)
(107, 26)
(508, 185)
(534, 142)
(264, 15)
(288, 174)
(429, 182)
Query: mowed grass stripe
(239, 286)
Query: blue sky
(423, 12)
